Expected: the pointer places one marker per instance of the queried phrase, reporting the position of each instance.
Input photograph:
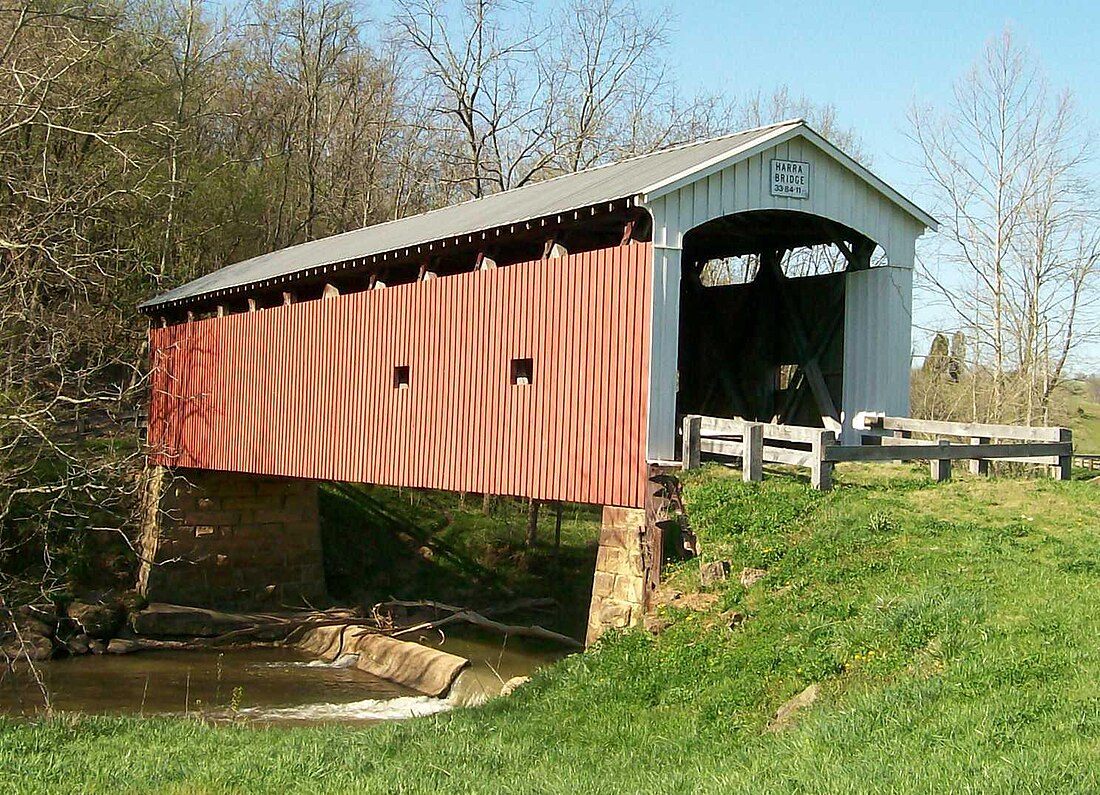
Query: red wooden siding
(308, 390)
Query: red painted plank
(308, 390)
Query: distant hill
(1083, 404)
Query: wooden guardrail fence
(1090, 461)
(1021, 443)
(817, 449)
(756, 443)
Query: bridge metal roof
(635, 177)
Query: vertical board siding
(308, 390)
(878, 311)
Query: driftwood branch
(294, 625)
(511, 607)
(477, 619)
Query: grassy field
(1084, 412)
(953, 629)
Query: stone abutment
(228, 539)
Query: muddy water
(263, 686)
(175, 682)
(493, 661)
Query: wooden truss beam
(807, 358)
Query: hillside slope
(952, 630)
(1083, 409)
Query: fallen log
(477, 619)
(518, 605)
(292, 627)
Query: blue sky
(872, 60)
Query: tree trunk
(532, 523)
(557, 529)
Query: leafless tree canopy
(518, 93)
(1017, 268)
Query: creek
(261, 685)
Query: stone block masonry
(232, 540)
(619, 593)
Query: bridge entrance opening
(762, 317)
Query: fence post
(904, 435)
(690, 444)
(979, 466)
(821, 471)
(752, 453)
(1064, 469)
(941, 467)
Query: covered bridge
(542, 342)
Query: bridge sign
(790, 179)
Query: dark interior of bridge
(762, 316)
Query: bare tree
(609, 56)
(778, 105)
(193, 46)
(1017, 267)
(491, 109)
(518, 96)
(72, 171)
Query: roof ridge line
(643, 155)
(673, 148)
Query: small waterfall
(343, 661)
(400, 708)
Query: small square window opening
(401, 377)
(523, 371)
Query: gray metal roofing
(568, 192)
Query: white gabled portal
(878, 301)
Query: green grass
(953, 630)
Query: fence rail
(1090, 461)
(817, 449)
(1028, 444)
(756, 443)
